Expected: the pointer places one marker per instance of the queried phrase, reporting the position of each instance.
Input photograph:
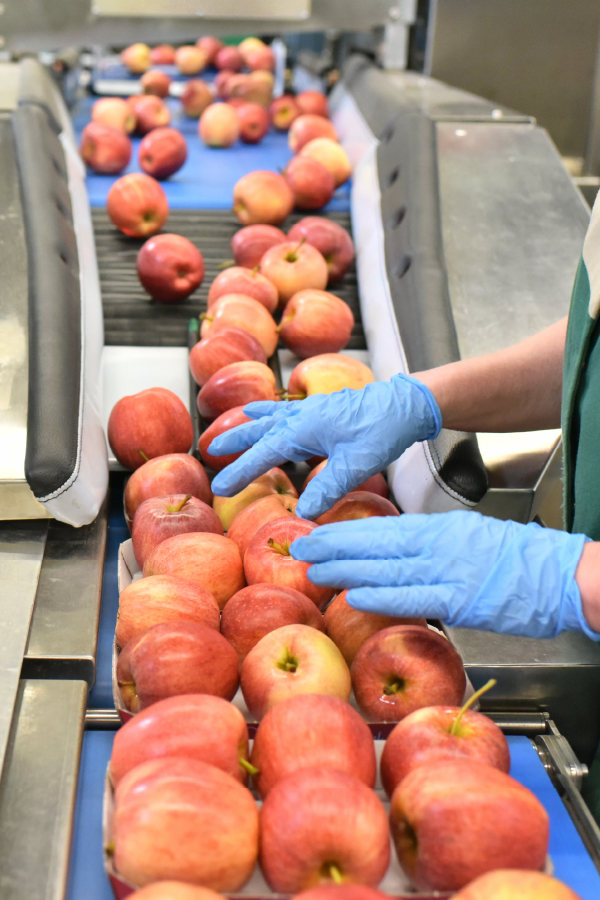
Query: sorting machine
(467, 229)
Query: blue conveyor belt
(207, 178)
(572, 863)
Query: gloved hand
(360, 431)
(461, 567)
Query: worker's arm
(362, 432)
(517, 389)
(466, 569)
(588, 581)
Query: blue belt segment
(572, 863)
(207, 178)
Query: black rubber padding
(414, 253)
(55, 354)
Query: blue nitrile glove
(461, 567)
(360, 431)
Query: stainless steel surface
(513, 226)
(102, 719)
(443, 101)
(566, 773)
(40, 25)
(536, 56)
(64, 626)
(213, 9)
(530, 723)
(38, 789)
(556, 753)
(559, 676)
(21, 551)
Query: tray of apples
(314, 799)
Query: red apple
(329, 153)
(330, 239)
(196, 96)
(283, 111)
(238, 85)
(454, 821)
(358, 505)
(236, 102)
(221, 83)
(227, 420)
(176, 658)
(163, 517)
(504, 884)
(259, 513)
(212, 561)
(315, 322)
(292, 660)
(104, 149)
(261, 608)
(150, 112)
(426, 737)
(259, 88)
(249, 45)
(177, 890)
(262, 197)
(261, 58)
(170, 267)
(162, 152)
(137, 205)
(115, 112)
(376, 483)
(219, 125)
(293, 267)
(243, 312)
(308, 127)
(229, 58)
(319, 826)
(152, 423)
(328, 373)
(194, 726)
(274, 481)
(181, 819)
(190, 59)
(211, 46)
(225, 346)
(136, 58)
(312, 103)
(236, 385)
(254, 122)
(349, 628)
(250, 244)
(404, 668)
(267, 558)
(161, 598)
(173, 473)
(240, 280)
(156, 82)
(312, 184)
(312, 731)
(163, 55)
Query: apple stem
(247, 765)
(256, 269)
(206, 316)
(179, 507)
(470, 702)
(284, 549)
(295, 396)
(110, 849)
(226, 264)
(336, 875)
(143, 455)
(283, 321)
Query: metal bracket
(558, 758)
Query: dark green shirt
(581, 406)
